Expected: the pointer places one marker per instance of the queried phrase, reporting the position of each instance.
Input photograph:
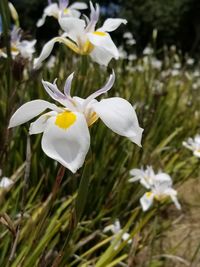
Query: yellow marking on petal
(66, 11)
(92, 119)
(100, 33)
(148, 194)
(87, 48)
(14, 49)
(65, 119)
(68, 43)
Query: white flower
(82, 37)
(65, 130)
(193, 144)
(62, 8)
(145, 177)
(128, 35)
(116, 229)
(160, 186)
(5, 182)
(132, 57)
(148, 51)
(131, 42)
(190, 61)
(156, 63)
(23, 48)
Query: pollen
(65, 119)
(100, 33)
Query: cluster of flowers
(65, 127)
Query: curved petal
(146, 200)
(103, 90)
(112, 24)
(68, 84)
(50, 10)
(41, 21)
(78, 5)
(28, 111)
(74, 27)
(46, 51)
(173, 194)
(103, 40)
(196, 153)
(39, 125)
(68, 146)
(120, 116)
(101, 56)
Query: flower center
(65, 119)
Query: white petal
(46, 51)
(197, 153)
(103, 90)
(41, 21)
(112, 24)
(101, 56)
(74, 27)
(78, 5)
(51, 10)
(39, 125)
(119, 115)
(5, 182)
(173, 194)
(67, 146)
(126, 236)
(146, 201)
(104, 40)
(28, 111)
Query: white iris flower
(65, 130)
(160, 186)
(193, 144)
(23, 48)
(61, 8)
(5, 182)
(83, 38)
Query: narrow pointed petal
(28, 111)
(103, 90)
(112, 24)
(68, 84)
(55, 94)
(120, 116)
(46, 51)
(39, 125)
(103, 40)
(146, 200)
(67, 144)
